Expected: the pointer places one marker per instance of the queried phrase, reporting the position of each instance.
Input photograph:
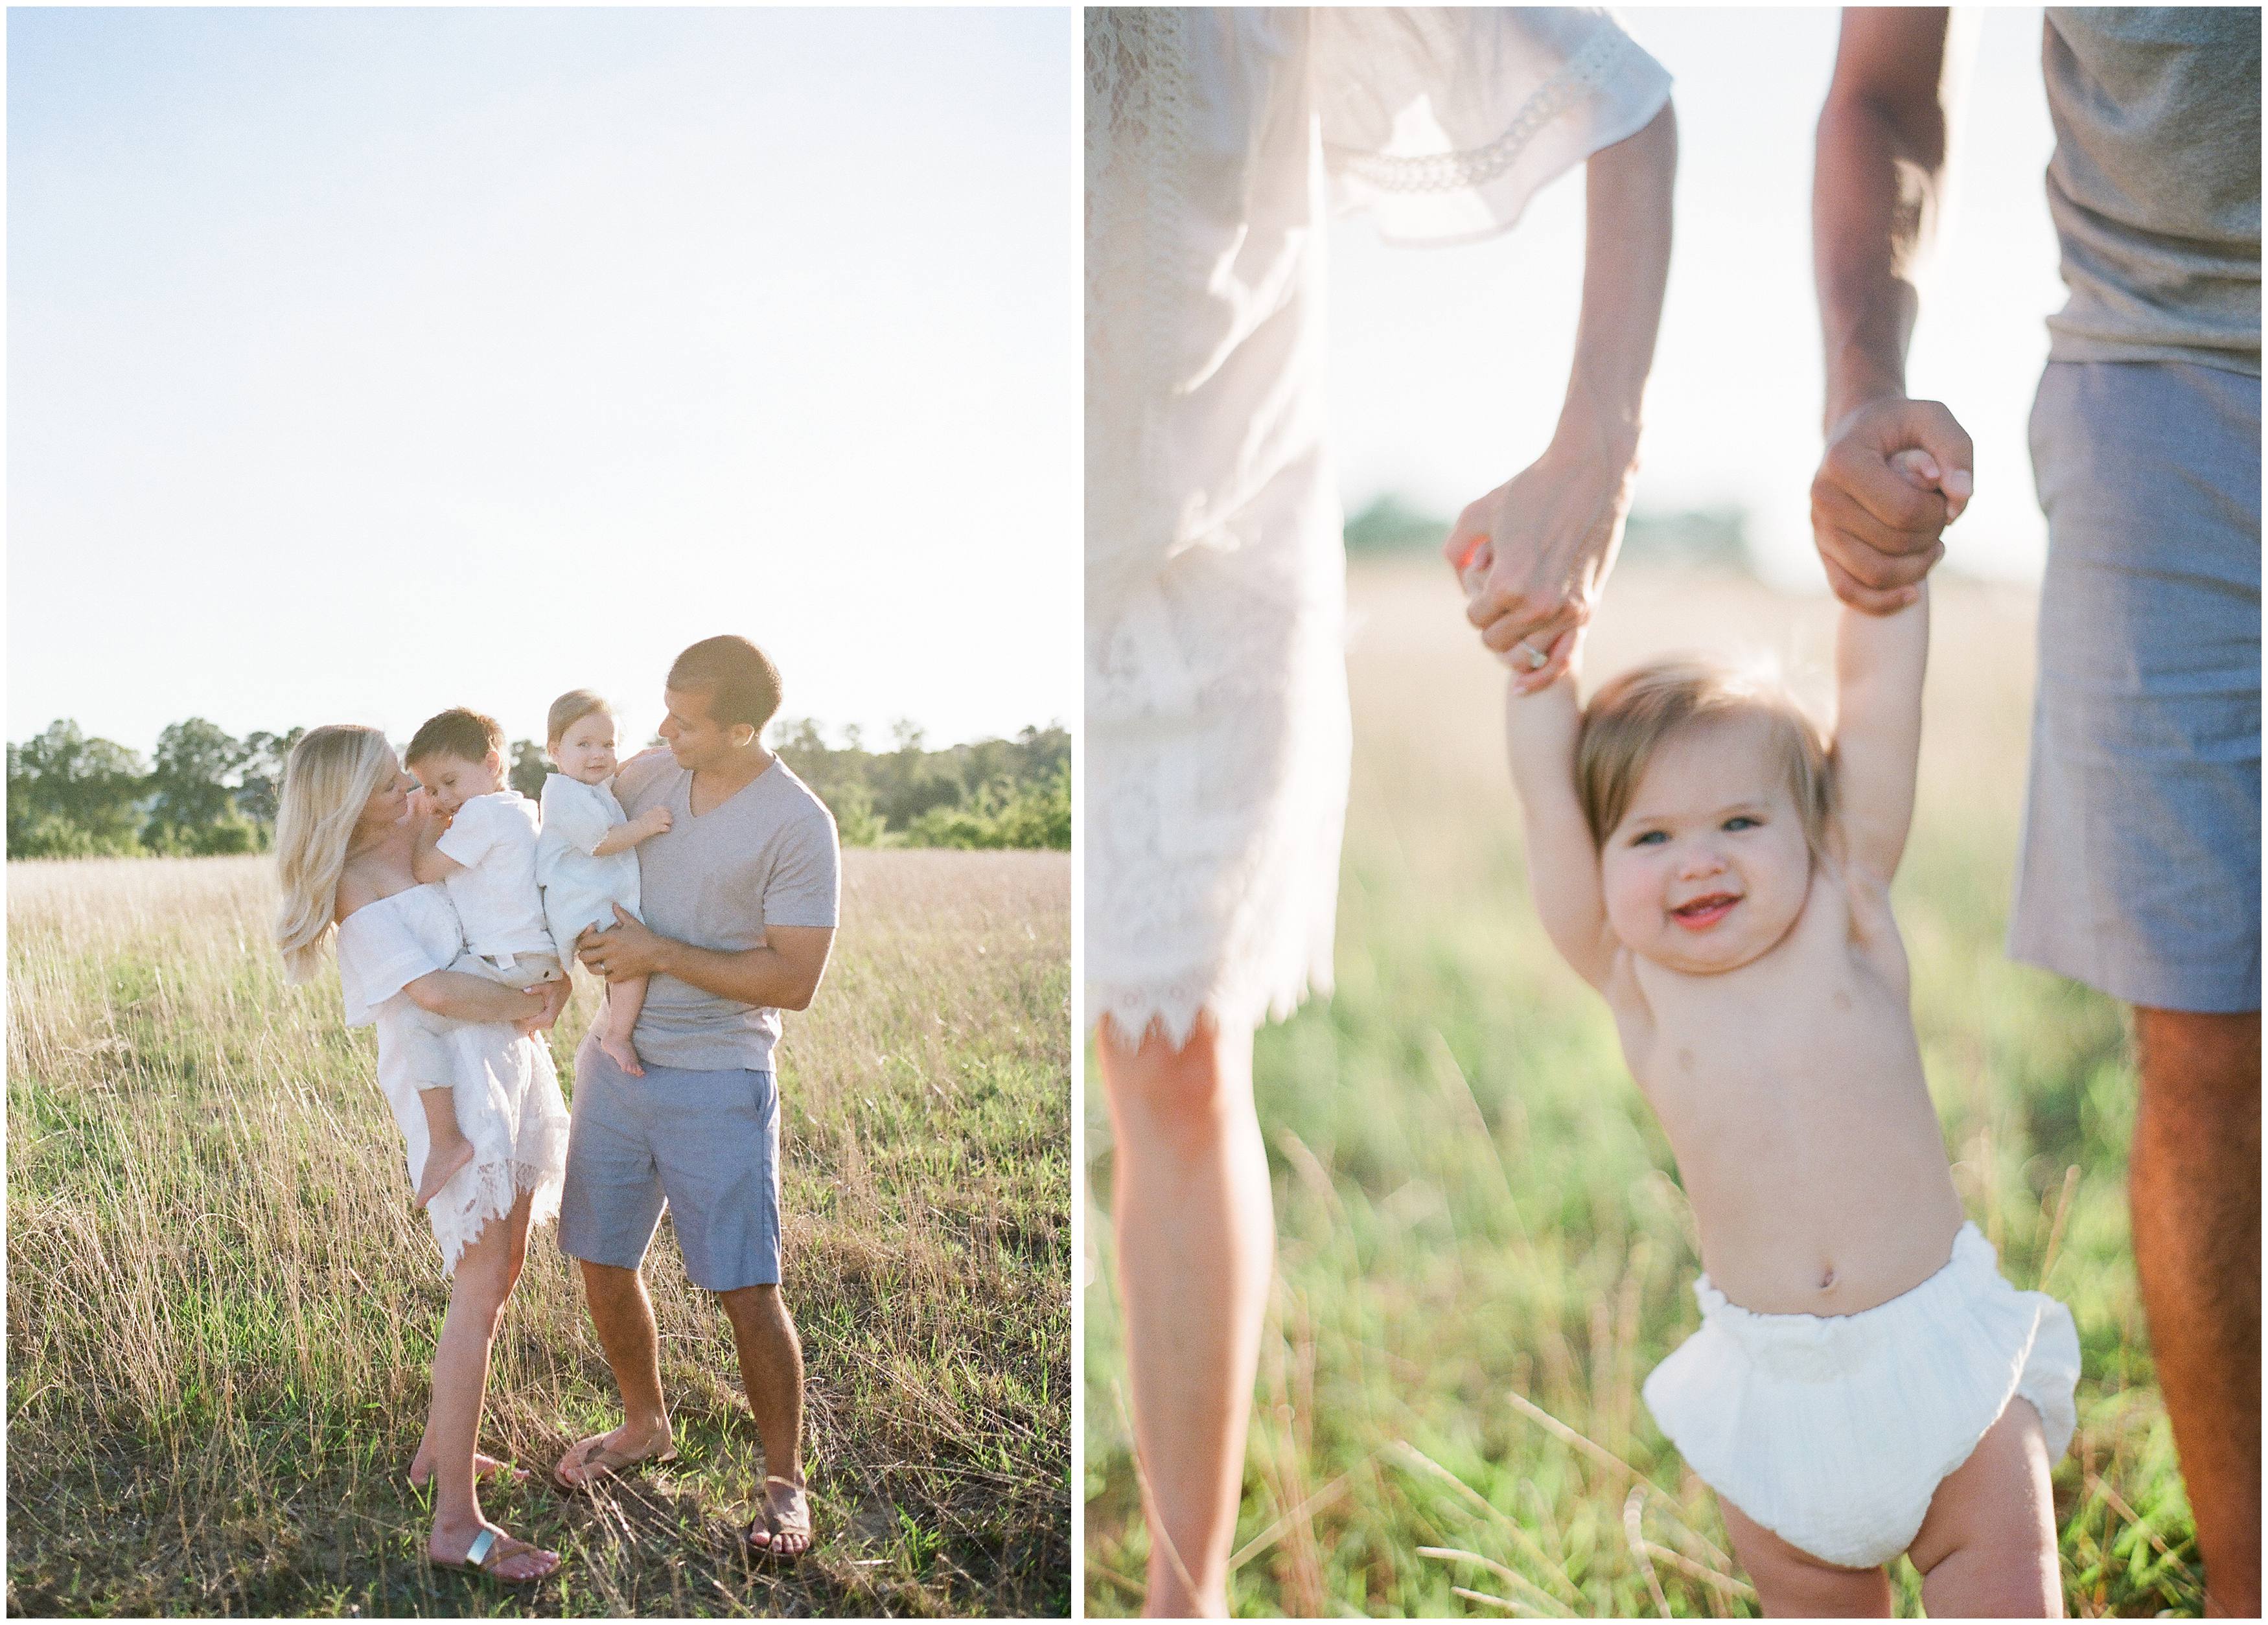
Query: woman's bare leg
(486, 1273)
(1987, 1550)
(1197, 1241)
(1792, 1583)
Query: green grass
(221, 1308)
(1483, 1244)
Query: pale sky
(1448, 364)
(365, 362)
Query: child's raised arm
(427, 862)
(1562, 866)
(1879, 662)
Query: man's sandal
(775, 1525)
(482, 1558)
(607, 1462)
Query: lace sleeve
(1442, 123)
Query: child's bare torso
(1790, 1088)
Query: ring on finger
(1535, 659)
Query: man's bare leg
(771, 1370)
(623, 1316)
(1197, 1242)
(2194, 1183)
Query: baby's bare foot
(442, 1164)
(620, 1051)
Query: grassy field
(1484, 1247)
(221, 1307)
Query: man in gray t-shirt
(2140, 871)
(738, 898)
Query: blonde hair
(569, 708)
(1631, 715)
(331, 776)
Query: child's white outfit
(1834, 1431)
(494, 838)
(580, 891)
(506, 1092)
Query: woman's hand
(1532, 554)
(554, 996)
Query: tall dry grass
(221, 1307)
(1484, 1247)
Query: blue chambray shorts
(705, 1144)
(2141, 869)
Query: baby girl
(1865, 1382)
(584, 859)
(486, 858)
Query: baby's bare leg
(446, 1148)
(624, 1000)
(1792, 1583)
(1987, 1548)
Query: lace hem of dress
(489, 1191)
(1477, 166)
(1227, 1001)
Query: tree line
(205, 792)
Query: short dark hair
(466, 735)
(739, 678)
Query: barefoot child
(486, 858)
(585, 856)
(1865, 1382)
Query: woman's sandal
(482, 1558)
(776, 1527)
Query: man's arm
(1879, 663)
(783, 973)
(1562, 866)
(1879, 176)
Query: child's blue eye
(1741, 821)
(1652, 837)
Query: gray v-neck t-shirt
(765, 856)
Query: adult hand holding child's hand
(1895, 474)
(1533, 555)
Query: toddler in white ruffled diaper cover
(1864, 1381)
(585, 857)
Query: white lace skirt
(1215, 788)
(508, 1104)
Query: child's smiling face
(585, 752)
(1709, 867)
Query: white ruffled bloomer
(1834, 1431)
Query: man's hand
(624, 950)
(1878, 530)
(1531, 556)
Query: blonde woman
(344, 832)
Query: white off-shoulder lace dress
(506, 1091)
(1218, 143)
